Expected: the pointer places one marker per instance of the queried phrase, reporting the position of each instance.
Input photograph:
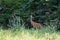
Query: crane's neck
(30, 17)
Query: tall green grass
(45, 33)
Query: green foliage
(40, 9)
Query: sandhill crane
(34, 24)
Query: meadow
(21, 33)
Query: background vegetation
(43, 11)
